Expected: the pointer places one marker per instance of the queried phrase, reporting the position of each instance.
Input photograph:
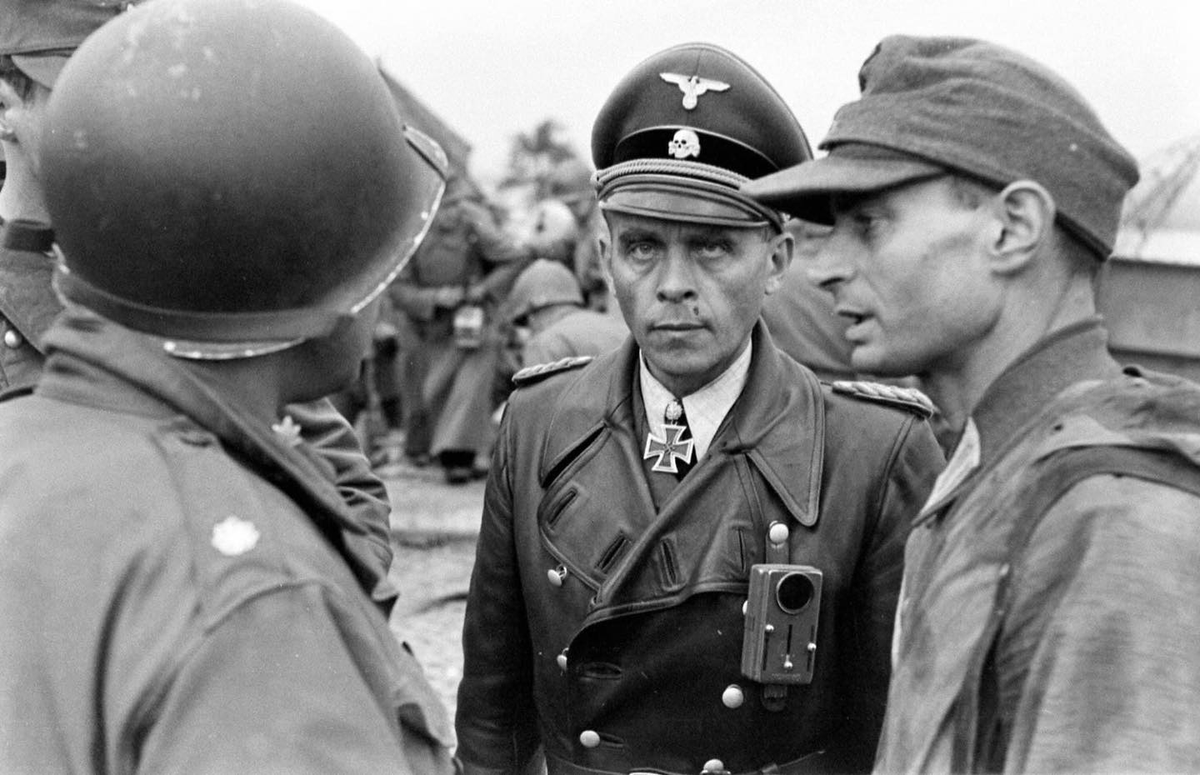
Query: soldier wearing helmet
(546, 302)
(37, 39)
(633, 497)
(186, 586)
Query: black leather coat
(648, 617)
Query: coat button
(714, 765)
(733, 696)
(561, 659)
(12, 339)
(589, 738)
(777, 533)
(556, 575)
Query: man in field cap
(1048, 616)
(633, 496)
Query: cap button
(589, 738)
(778, 533)
(733, 696)
(561, 659)
(714, 766)
(556, 575)
(12, 339)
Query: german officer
(184, 589)
(629, 498)
(1049, 617)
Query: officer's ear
(9, 100)
(604, 244)
(783, 249)
(1023, 223)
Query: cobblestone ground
(434, 527)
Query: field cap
(936, 105)
(682, 132)
(40, 35)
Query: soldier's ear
(604, 244)
(1023, 223)
(783, 248)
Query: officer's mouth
(676, 328)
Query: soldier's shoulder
(906, 398)
(533, 374)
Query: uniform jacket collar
(762, 422)
(1073, 354)
(26, 297)
(96, 362)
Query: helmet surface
(552, 222)
(544, 283)
(231, 174)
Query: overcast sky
(497, 68)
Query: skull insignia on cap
(685, 143)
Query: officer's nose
(832, 262)
(676, 282)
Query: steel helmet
(544, 283)
(231, 175)
(551, 223)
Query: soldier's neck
(21, 196)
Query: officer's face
(907, 268)
(690, 293)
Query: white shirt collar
(705, 408)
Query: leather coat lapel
(597, 516)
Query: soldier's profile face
(690, 293)
(907, 268)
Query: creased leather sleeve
(495, 720)
(914, 463)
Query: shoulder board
(532, 374)
(905, 398)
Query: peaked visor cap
(684, 130)
(40, 35)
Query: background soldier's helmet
(551, 223)
(231, 175)
(543, 284)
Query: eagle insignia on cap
(685, 143)
(693, 87)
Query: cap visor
(677, 203)
(43, 68)
(805, 190)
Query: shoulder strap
(532, 374)
(983, 747)
(892, 395)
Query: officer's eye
(641, 251)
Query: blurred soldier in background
(451, 292)
(547, 303)
(571, 183)
(1048, 621)
(36, 38)
(631, 499)
(800, 315)
(184, 589)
